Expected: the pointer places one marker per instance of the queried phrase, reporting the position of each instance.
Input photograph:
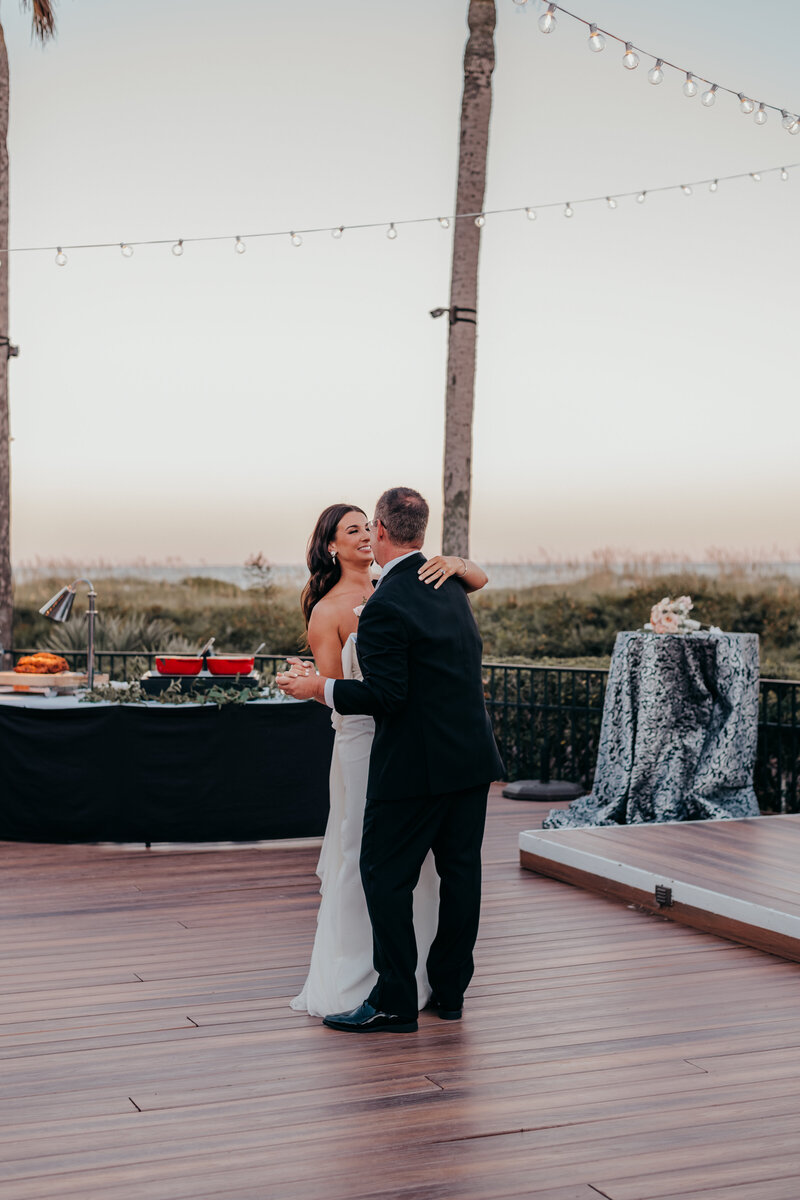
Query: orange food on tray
(41, 663)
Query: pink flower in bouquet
(683, 605)
(670, 623)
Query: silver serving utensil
(259, 649)
(207, 647)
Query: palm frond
(44, 18)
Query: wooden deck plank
(598, 1043)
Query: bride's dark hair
(324, 571)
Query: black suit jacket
(420, 655)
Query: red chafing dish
(230, 664)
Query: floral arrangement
(672, 616)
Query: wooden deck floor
(148, 1051)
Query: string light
(596, 40)
(762, 116)
(569, 211)
(630, 58)
(547, 21)
(391, 233)
(530, 211)
(655, 74)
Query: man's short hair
(404, 515)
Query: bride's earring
(333, 557)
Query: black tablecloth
(126, 773)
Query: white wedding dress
(341, 974)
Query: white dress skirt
(341, 974)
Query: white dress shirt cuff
(329, 692)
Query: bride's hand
(441, 567)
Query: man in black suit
(433, 758)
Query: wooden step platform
(738, 879)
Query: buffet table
(679, 732)
(88, 772)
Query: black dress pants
(397, 837)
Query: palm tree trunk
(6, 594)
(476, 107)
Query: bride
(341, 973)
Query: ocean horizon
(501, 574)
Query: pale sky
(636, 382)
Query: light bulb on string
(640, 199)
(126, 250)
(530, 213)
(630, 58)
(177, 249)
(239, 246)
(687, 191)
(786, 119)
(690, 88)
(337, 232)
(569, 211)
(655, 74)
(444, 222)
(61, 258)
(611, 202)
(547, 21)
(708, 98)
(756, 178)
(745, 105)
(761, 116)
(784, 173)
(480, 220)
(712, 187)
(795, 126)
(596, 40)
(391, 232)
(296, 240)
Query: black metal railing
(547, 720)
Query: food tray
(64, 681)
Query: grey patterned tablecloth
(679, 731)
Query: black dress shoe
(367, 1019)
(446, 1014)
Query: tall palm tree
(476, 107)
(44, 26)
